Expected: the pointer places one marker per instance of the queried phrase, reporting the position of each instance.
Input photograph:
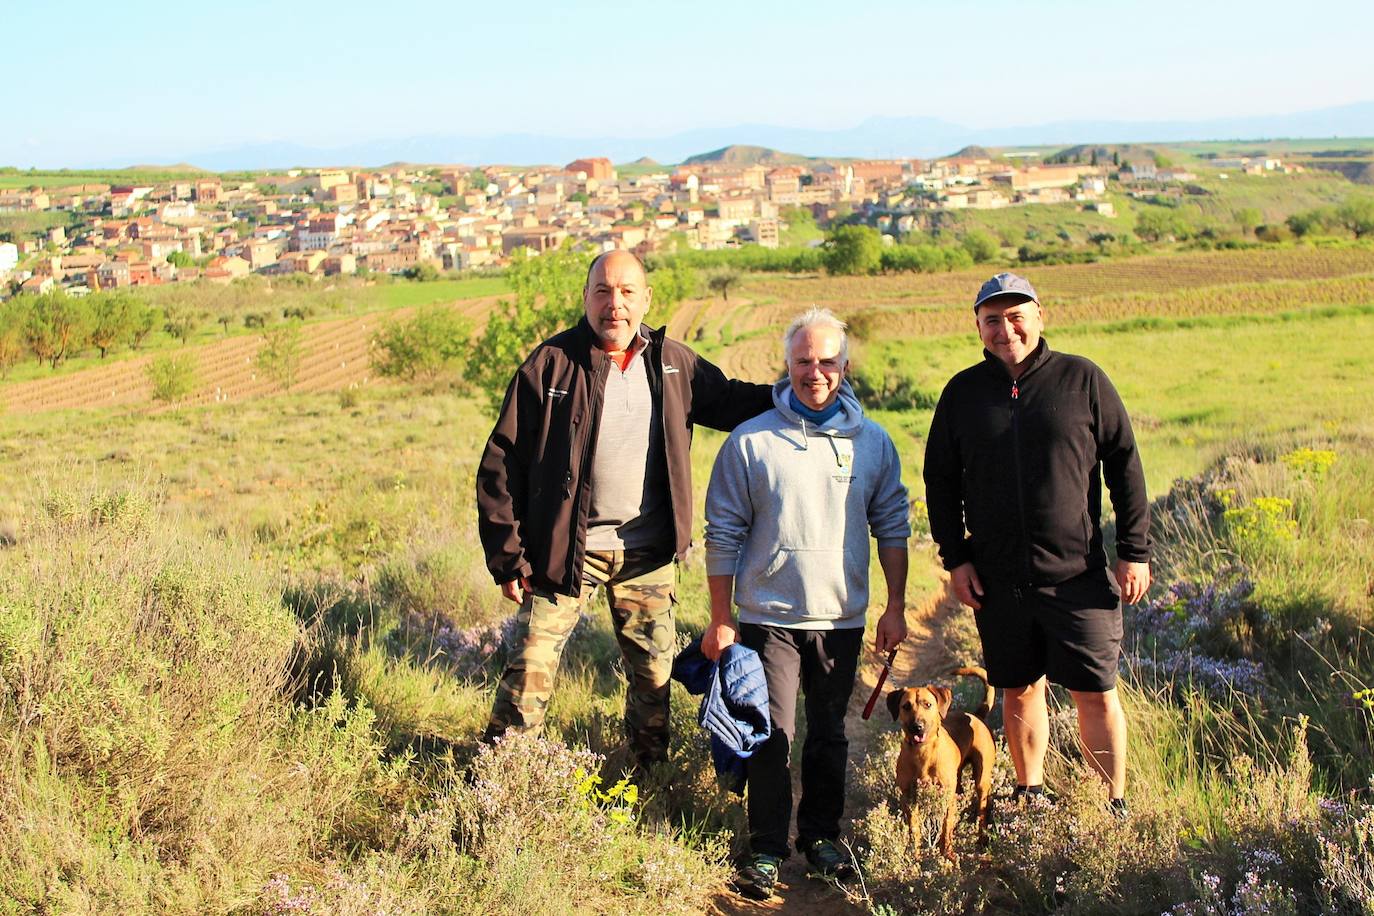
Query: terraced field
(742, 334)
(335, 355)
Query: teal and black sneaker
(827, 861)
(756, 878)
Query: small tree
(56, 326)
(854, 250)
(1357, 215)
(432, 343)
(181, 322)
(173, 376)
(548, 298)
(141, 323)
(1249, 219)
(280, 354)
(112, 317)
(721, 279)
(672, 283)
(12, 343)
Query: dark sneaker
(755, 878)
(827, 861)
(1118, 809)
(1032, 795)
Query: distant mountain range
(874, 138)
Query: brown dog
(936, 746)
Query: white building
(9, 257)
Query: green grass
(63, 177)
(233, 681)
(408, 295)
(30, 225)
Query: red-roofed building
(599, 168)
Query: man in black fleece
(1018, 450)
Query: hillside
(745, 155)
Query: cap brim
(1005, 294)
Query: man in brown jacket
(586, 481)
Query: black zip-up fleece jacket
(533, 489)
(1011, 471)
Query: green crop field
(246, 648)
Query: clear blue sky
(96, 81)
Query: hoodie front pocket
(809, 582)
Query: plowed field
(334, 355)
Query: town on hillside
(321, 222)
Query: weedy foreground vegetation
(246, 649)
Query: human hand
(716, 638)
(515, 589)
(891, 629)
(1133, 579)
(967, 587)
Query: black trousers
(822, 663)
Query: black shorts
(1069, 632)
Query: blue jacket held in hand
(734, 709)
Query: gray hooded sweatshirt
(790, 508)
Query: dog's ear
(945, 697)
(894, 702)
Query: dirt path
(929, 652)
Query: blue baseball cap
(1006, 284)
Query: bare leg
(1102, 730)
(1026, 719)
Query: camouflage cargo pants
(640, 590)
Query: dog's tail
(989, 695)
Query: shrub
(173, 376)
(280, 353)
(426, 346)
(853, 250)
(981, 246)
(544, 832)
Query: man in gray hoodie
(794, 495)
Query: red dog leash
(882, 678)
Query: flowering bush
(1199, 635)
(1263, 527)
(1309, 464)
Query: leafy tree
(280, 354)
(853, 250)
(433, 342)
(721, 279)
(181, 322)
(981, 246)
(1153, 225)
(1357, 215)
(548, 298)
(1249, 218)
(112, 319)
(142, 320)
(56, 326)
(672, 283)
(173, 377)
(477, 180)
(12, 343)
(181, 259)
(425, 272)
(1311, 222)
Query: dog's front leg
(912, 812)
(947, 831)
